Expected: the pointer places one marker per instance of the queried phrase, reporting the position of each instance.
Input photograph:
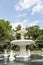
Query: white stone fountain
(11, 58)
(22, 44)
(5, 54)
(5, 57)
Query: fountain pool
(20, 59)
(35, 59)
(31, 62)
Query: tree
(33, 31)
(5, 32)
(41, 31)
(18, 36)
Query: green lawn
(37, 51)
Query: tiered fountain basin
(22, 44)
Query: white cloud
(25, 23)
(17, 7)
(24, 4)
(15, 24)
(37, 8)
(21, 15)
(34, 23)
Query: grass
(37, 51)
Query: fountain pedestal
(22, 50)
(23, 53)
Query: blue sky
(23, 12)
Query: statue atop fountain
(22, 32)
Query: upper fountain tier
(22, 41)
(22, 32)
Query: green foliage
(18, 27)
(5, 30)
(33, 31)
(40, 38)
(41, 31)
(5, 33)
(18, 36)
